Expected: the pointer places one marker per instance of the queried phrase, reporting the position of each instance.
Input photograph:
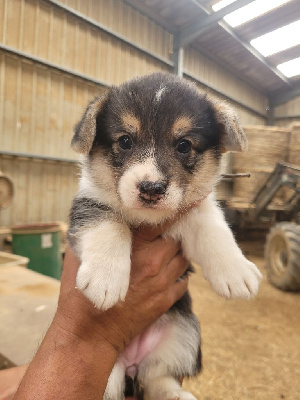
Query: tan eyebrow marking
(131, 123)
(181, 125)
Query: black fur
(180, 99)
(84, 212)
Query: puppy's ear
(233, 136)
(85, 130)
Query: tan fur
(234, 138)
(83, 140)
(181, 125)
(99, 181)
(203, 180)
(131, 123)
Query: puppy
(150, 148)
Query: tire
(282, 255)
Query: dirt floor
(251, 349)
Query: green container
(41, 244)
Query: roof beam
(192, 31)
(281, 98)
(178, 58)
(139, 6)
(256, 54)
(246, 45)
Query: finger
(177, 267)
(165, 249)
(70, 268)
(147, 233)
(153, 259)
(177, 290)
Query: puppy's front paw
(239, 279)
(103, 285)
(180, 395)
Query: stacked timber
(294, 147)
(267, 146)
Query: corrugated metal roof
(226, 50)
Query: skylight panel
(281, 39)
(248, 12)
(290, 68)
(221, 4)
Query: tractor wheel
(282, 255)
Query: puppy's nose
(152, 190)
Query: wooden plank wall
(227, 83)
(288, 113)
(40, 105)
(43, 190)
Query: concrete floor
(251, 349)
(28, 302)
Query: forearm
(67, 367)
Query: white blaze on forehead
(159, 93)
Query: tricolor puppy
(151, 147)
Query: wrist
(68, 365)
(81, 332)
(84, 323)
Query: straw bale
(294, 148)
(245, 189)
(267, 145)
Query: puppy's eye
(184, 146)
(125, 142)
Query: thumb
(147, 233)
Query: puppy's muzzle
(152, 191)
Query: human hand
(157, 264)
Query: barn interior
(55, 57)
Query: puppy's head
(153, 145)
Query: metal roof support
(256, 54)
(37, 157)
(247, 46)
(178, 57)
(192, 31)
(139, 6)
(178, 61)
(270, 116)
(48, 64)
(284, 97)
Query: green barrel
(41, 244)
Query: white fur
(130, 180)
(181, 358)
(98, 184)
(166, 388)
(208, 241)
(133, 209)
(116, 383)
(104, 272)
(159, 93)
(154, 374)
